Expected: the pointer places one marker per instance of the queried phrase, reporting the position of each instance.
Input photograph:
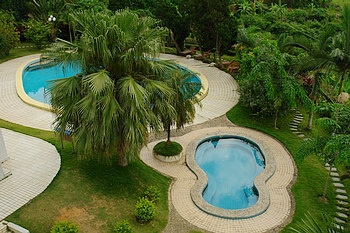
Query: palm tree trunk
(327, 181)
(341, 85)
(313, 98)
(168, 134)
(311, 117)
(122, 160)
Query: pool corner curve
(20, 90)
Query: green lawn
(20, 52)
(341, 2)
(311, 173)
(92, 195)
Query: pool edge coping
(260, 182)
(203, 92)
(20, 89)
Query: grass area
(90, 194)
(20, 52)
(341, 2)
(311, 173)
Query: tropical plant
(145, 210)
(152, 193)
(332, 147)
(37, 32)
(113, 103)
(64, 227)
(265, 85)
(9, 34)
(309, 224)
(123, 227)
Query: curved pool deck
(221, 97)
(277, 215)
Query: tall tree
(209, 21)
(265, 85)
(110, 106)
(175, 16)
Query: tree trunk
(122, 159)
(276, 116)
(168, 134)
(178, 49)
(341, 85)
(327, 181)
(311, 117)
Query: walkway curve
(281, 207)
(12, 108)
(222, 95)
(33, 163)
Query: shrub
(167, 149)
(4, 46)
(145, 210)
(64, 227)
(37, 32)
(9, 34)
(123, 227)
(152, 193)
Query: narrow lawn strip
(20, 52)
(311, 172)
(92, 195)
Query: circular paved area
(33, 164)
(278, 213)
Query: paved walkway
(276, 216)
(33, 164)
(12, 108)
(222, 96)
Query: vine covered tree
(110, 106)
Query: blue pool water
(231, 165)
(37, 79)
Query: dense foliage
(9, 35)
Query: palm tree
(309, 224)
(329, 52)
(111, 104)
(333, 147)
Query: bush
(145, 210)
(123, 227)
(37, 32)
(167, 149)
(4, 46)
(152, 193)
(64, 227)
(9, 34)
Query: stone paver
(33, 164)
(277, 214)
(340, 190)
